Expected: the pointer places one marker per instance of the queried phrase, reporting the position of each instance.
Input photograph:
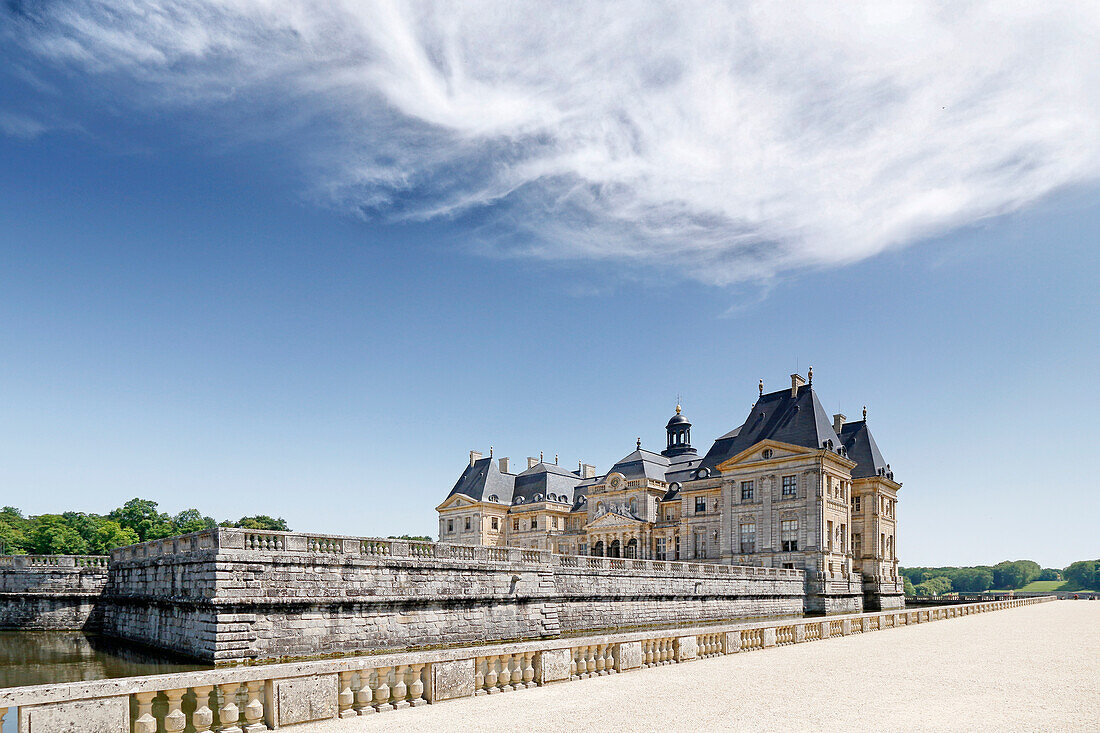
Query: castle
(788, 488)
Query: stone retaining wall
(274, 696)
(56, 592)
(235, 595)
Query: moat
(44, 657)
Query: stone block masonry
(229, 595)
(51, 592)
(263, 697)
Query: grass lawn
(1037, 585)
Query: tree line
(80, 533)
(1007, 575)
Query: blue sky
(314, 301)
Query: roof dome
(677, 419)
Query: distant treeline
(77, 533)
(1007, 575)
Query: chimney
(474, 456)
(532, 462)
(796, 381)
(588, 470)
(838, 422)
(503, 463)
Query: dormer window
(494, 497)
(538, 497)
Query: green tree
(141, 515)
(1015, 573)
(413, 537)
(52, 535)
(1084, 575)
(972, 580)
(259, 521)
(909, 589)
(14, 531)
(190, 520)
(1049, 574)
(934, 586)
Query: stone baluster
(145, 722)
(175, 721)
(591, 663)
(363, 693)
(573, 664)
(505, 674)
(254, 708)
(647, 649)
(400, 689)
(382, 691)
(416, 689)
(598, 653)
(491, 674)
(346, 698)
(228, 712)
(479, 676)
(609, 660)
(203, 717)
(529, 669)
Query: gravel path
(1031, 668)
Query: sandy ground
(1031, 668)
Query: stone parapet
(274, 696)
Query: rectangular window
(748, 537)
(844, 538)
(788, 534)
(660, 548)
(700, 544)
(467, 524)
(857, 545)
(746, 491)
(829, 529)
(855, 503)
(700, 505)
(789, 485)
(450, 525)
(534, 523)
(515, 525)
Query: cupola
(679, 436)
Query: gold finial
(555, 459)
(865, 413)
(638, 445)
(677, 408)
(761, 386)
(490, 451)
(540, 456)
(811, 375)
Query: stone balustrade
(263, 697)
(15, 563)
(263, 541)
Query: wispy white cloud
(724, 141)
(21, 126)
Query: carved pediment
(456, 501)
(756, 453)
(611, 519)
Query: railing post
(175, 721)
(228, 712)
(203, 717)
(254, 710)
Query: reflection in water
(42, 657)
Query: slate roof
(542, 480)
(484, 479)
(862, 449)
(642, 464)
(798, 420)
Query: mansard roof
(483, 479)
(862, 449)
(642, 464)
(541, 481)
(797, 420)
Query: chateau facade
(788, 488)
